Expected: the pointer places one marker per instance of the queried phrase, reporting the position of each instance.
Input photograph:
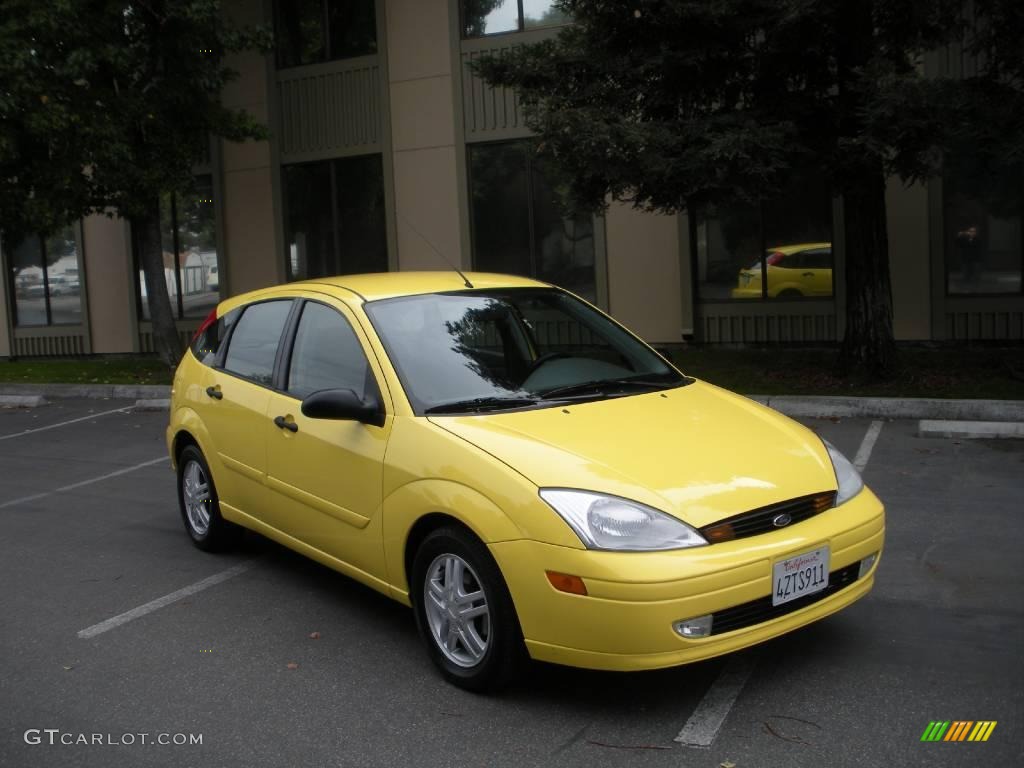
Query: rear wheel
(200, 510)
(464, 611)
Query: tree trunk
(868, 348)
(151, 256)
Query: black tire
(790, 293)
(218, 534)
(504, 651)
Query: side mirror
(343, 404)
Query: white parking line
(867, 445)
(90, 481)
(64, 423)
(702, 727)
(160, 602)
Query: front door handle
(215, 393)
(283, 423)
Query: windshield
(472, 351)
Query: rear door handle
(283, 423)
(215, 393)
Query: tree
(673, 105)
(104, 106)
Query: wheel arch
(414, 510)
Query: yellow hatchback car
(518, 468)
(804, 269)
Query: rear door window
(253, 346)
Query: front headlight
(608, 522)
(847, 476)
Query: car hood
(697, 452)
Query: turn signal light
(563, 582)
(720, 532)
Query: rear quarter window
(208, 343)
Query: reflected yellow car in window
(804, 269)
(522, 471)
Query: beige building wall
(643, 272)
(423, 134)
(250, 259)
(109, 284)
(909, 260)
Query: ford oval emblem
(781, 521)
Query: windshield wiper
(601, 385)
(482, 404)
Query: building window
(787, 238)
(334, 217)
(46, 278)
(313, 31)
(984, 247)
(491, 17)
(188, 234)
(519, 225)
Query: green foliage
(672, 103)
(108, 104)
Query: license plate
(800, 575)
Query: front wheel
(464, 611)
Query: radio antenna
(465, 280)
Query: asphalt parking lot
(91, 531)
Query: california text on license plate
(800, 575)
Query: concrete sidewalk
(31, 395)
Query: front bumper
(625, 621)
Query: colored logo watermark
(958, 730)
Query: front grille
(760, 610)
(762, 520)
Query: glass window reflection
(46, 275)
(188, 235)
(490, 17)
(779, 248)
(520, 224)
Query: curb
(970, 429)
(895, 407)
(97, 391)
(21, 401)
(153, 404)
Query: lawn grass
(116, 370)
(926, 371)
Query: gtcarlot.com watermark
(55, 736)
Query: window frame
(325, 30)
(338, 251)
(12, 296)
(531, 213)
(947, 254)
(179, 304)
(764, 299)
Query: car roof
(797, 247)
(385, 285)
